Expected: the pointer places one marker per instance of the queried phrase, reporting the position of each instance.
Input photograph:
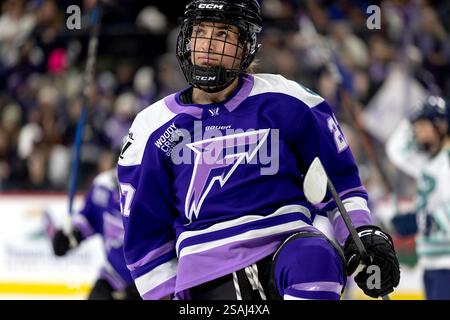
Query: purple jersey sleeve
(100, 215)
(88, 219)
(147, 207)
(320, 135)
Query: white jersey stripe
(242, 220)
(251, 234)
(157, 276)
(351, 204)
(322, 286)
(289, 297)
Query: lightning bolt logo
(211, 154)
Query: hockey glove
(380, 248)
(405, 224)
(61, 242)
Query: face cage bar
(216, 41)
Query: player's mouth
(206, 60)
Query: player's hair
(253, 66)
(243, 14)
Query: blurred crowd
(42, 64)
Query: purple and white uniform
(210, 189)
(101, 215)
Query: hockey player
(429, 147)
(100, 215)
(211, 178)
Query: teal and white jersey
(402, 151)
(433, 208)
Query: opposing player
(100, 215)
(211, 178)
(429, 132)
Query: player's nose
(207, 44)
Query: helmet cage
(221, 15)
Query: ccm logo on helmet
(205, 78)
(210, 6)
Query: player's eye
(198, 32)
(221, 34)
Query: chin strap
(212, 79)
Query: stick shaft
(87, 83)
(362, 250)
(347, 221)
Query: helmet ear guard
(243, 14)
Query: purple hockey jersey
(209, 189)
(101, 215)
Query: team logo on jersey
(213, 154)
(214, 112)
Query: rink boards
(29, 270)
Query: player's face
(216, 44)
(426, 136)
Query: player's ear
(442, 127)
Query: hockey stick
(350, 105)
(315, 187)
(87, 83)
